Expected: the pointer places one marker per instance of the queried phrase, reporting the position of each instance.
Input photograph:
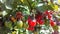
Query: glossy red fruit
(31, 22)
(52, 23)
(31, 28)
(48, 12)
(49, 16)
(41, 22)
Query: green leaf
(27, 3)
(8, 24)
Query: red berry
(52, 23)
(18, 15)
(41, 22)
(49, 13)
(46, 12)
(31, 28)
(31, 22)
(49, 16)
